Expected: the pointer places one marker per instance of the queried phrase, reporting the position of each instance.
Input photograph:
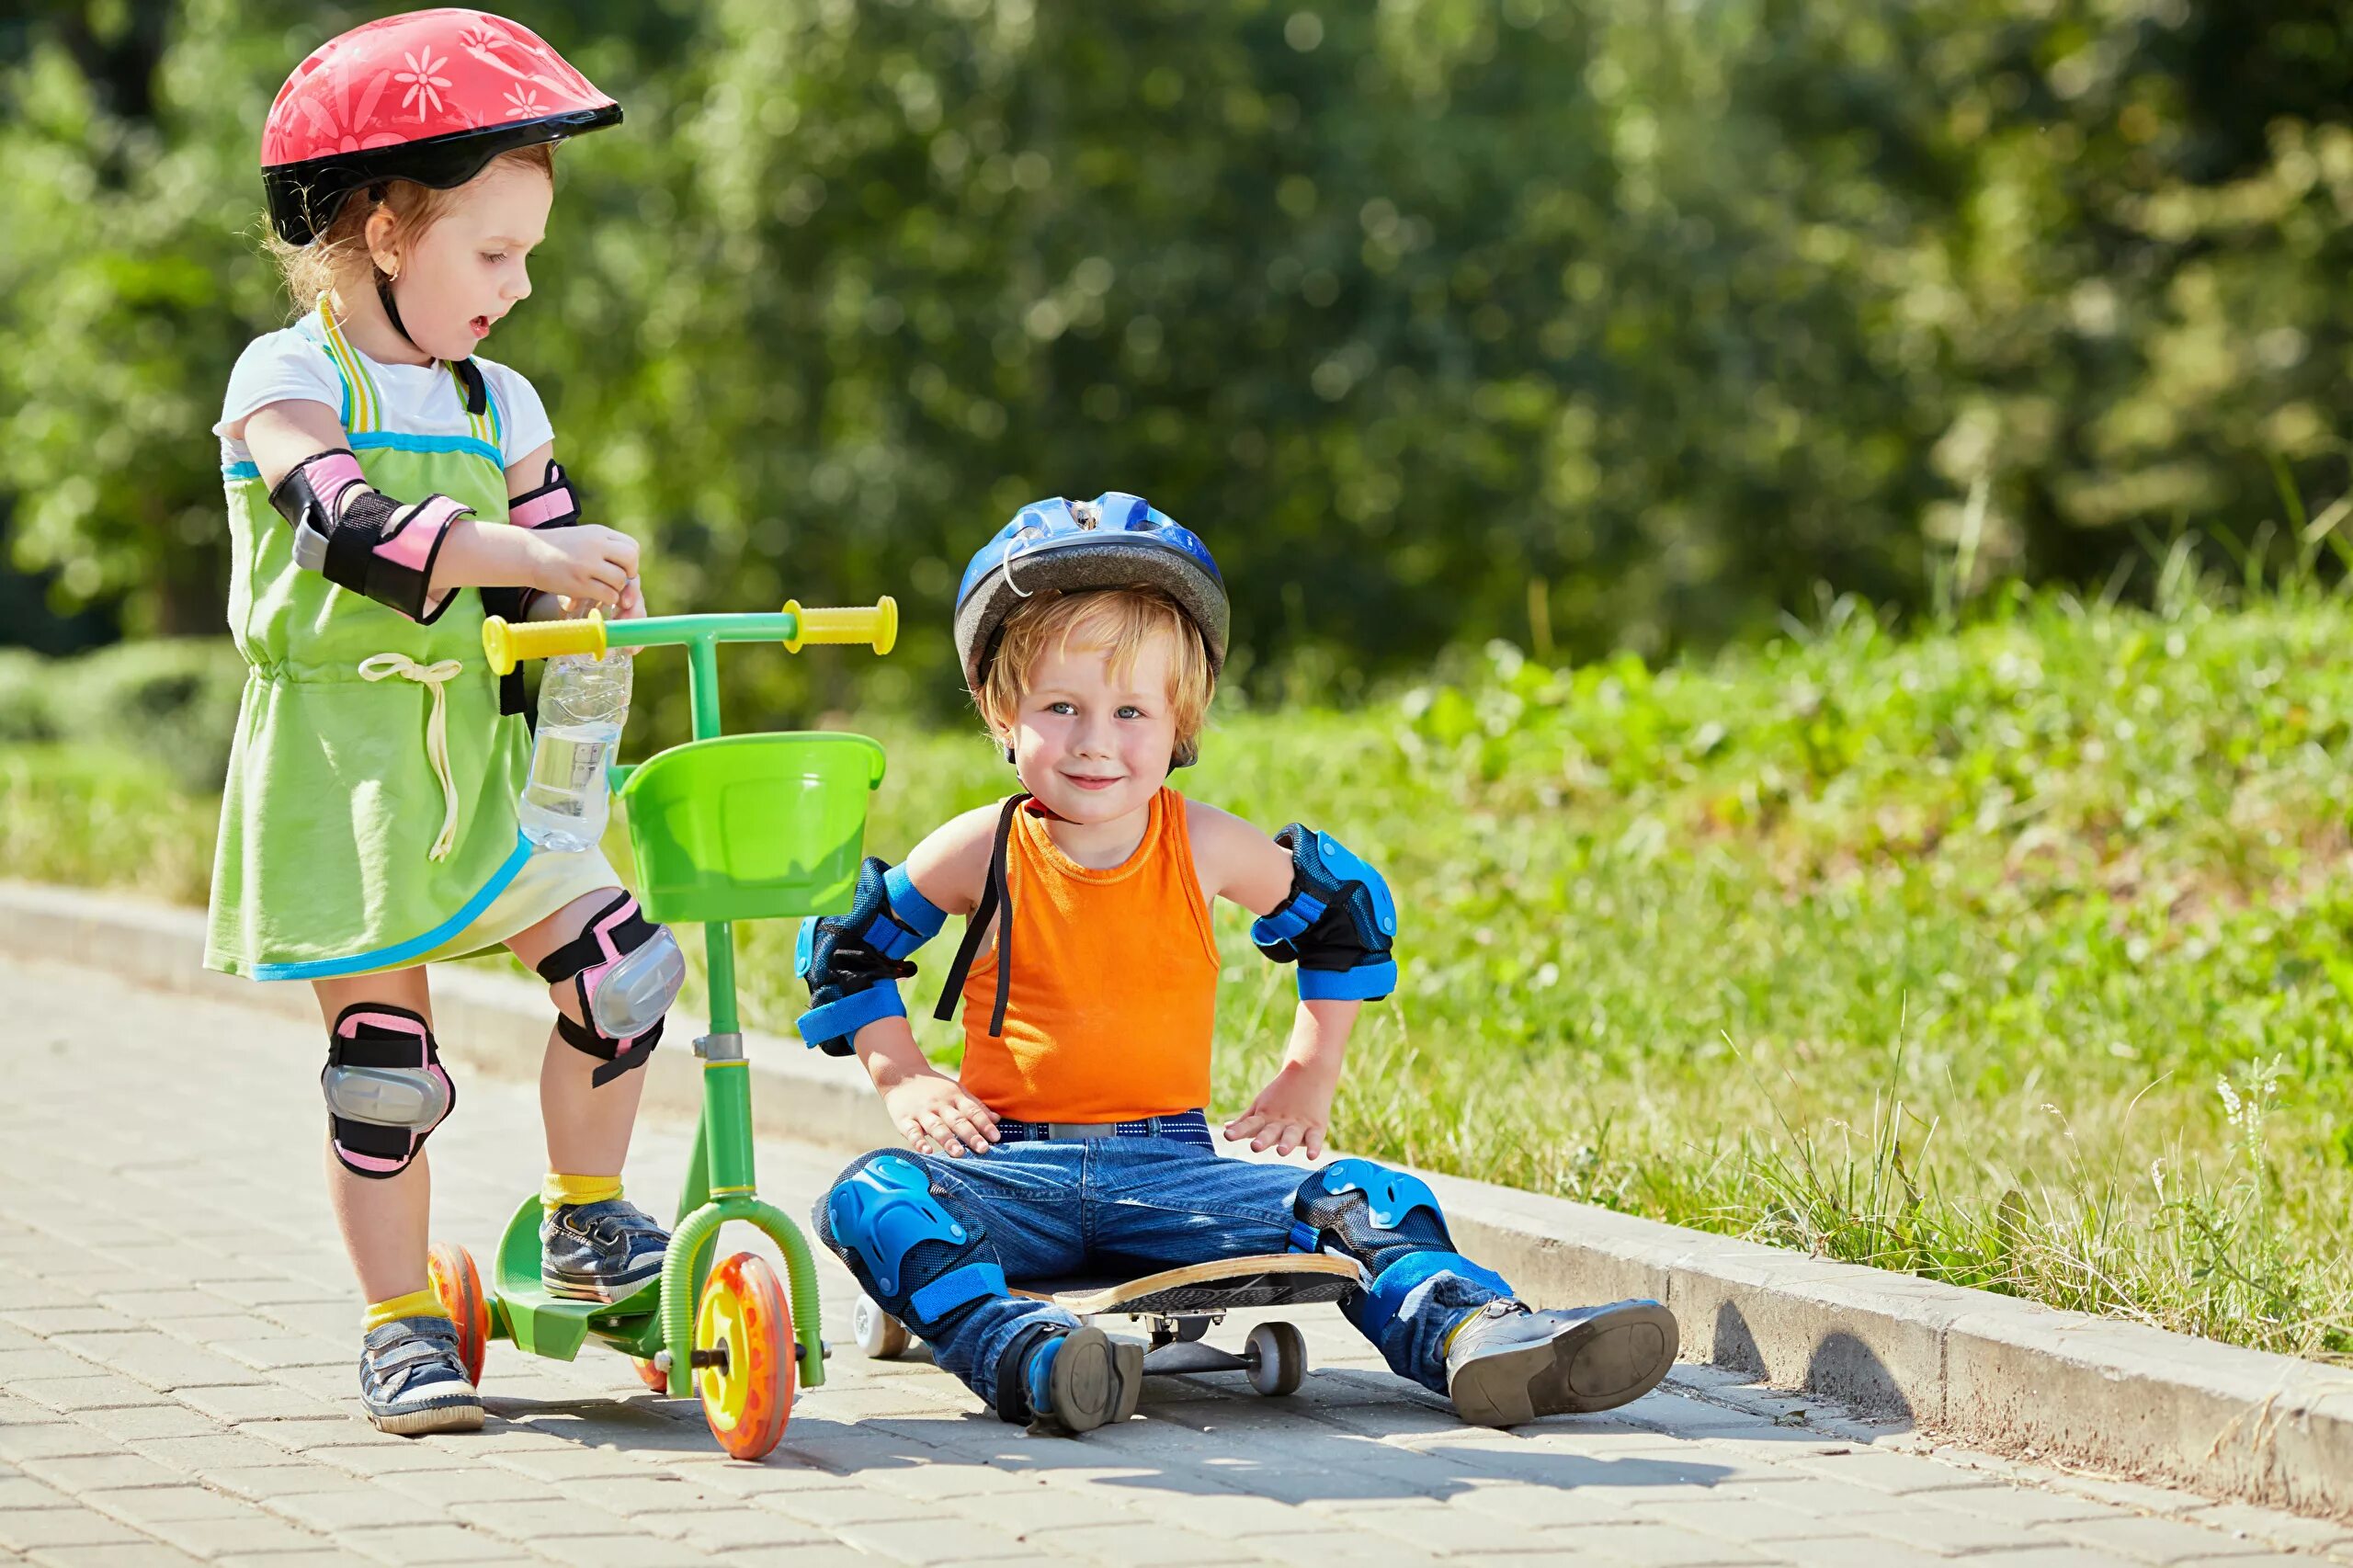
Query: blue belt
(1185, 1127)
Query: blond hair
(312, 272)
(1122, 622)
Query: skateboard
(1179, 1306)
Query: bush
(173, 702)
(27, 703)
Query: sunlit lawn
(2013, 956)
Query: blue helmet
(1116, 541)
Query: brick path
(177, 1345)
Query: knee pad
(1367, 1212)
(1389, 1221)
(625, 971)
(924, 1264)
(384, 1088)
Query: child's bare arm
(1242, 865)
(930, 1109)
(1294, 1111)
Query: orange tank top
(1114, 992)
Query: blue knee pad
(1390, 1223)
(1392, 1194)
(883, 1210)
(1325, 1208)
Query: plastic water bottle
(583, 701)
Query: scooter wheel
(743, 1348)
(879, 1334)
(1275, 1355)
(652, 1376)
(450, 1268)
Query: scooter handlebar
(876, 624)
(507, 643)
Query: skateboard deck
(1222, 1285)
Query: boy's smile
(1092, 742)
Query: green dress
(344, 847)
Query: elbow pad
(1339, 925)
(359, 538)
(853, 962)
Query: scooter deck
(1222, 1285)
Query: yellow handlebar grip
(507, 644)
(876, 624)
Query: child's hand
(587, 563)
(630, 605)
(1290, 1113)
(936, 1117)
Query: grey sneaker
(413, 1382)
(600, 1252)
(1508, 1364)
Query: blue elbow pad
(853, 962)
(1339, 924)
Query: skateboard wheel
(1275, 1355)
(745, 1366)
(652, 1376)
(881, 1335)
(450, 1269)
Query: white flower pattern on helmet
(423, 83)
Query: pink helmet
(429, 96)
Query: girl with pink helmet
(388, 486)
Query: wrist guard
(555, 505)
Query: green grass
(2012, 955)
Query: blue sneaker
(412, 1380)
(600, 1252)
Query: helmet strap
(384, 282)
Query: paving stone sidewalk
(179, 1341)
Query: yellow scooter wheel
(743, 1366)
(450, 1268)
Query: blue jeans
(1132, 1205)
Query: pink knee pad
(625, 971)
(385, 1088)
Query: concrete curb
(1986, 1369)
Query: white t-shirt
(416, 400)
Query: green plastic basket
(750, 828)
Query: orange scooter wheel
(451, 1269)
(744, 1369)
(648, 1374)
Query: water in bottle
(583, 702)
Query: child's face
(466, 271)
(1091, 745)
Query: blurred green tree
(1590, 321)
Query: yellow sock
(416, 1304)
(559, 1189)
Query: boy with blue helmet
(1073, 1138)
